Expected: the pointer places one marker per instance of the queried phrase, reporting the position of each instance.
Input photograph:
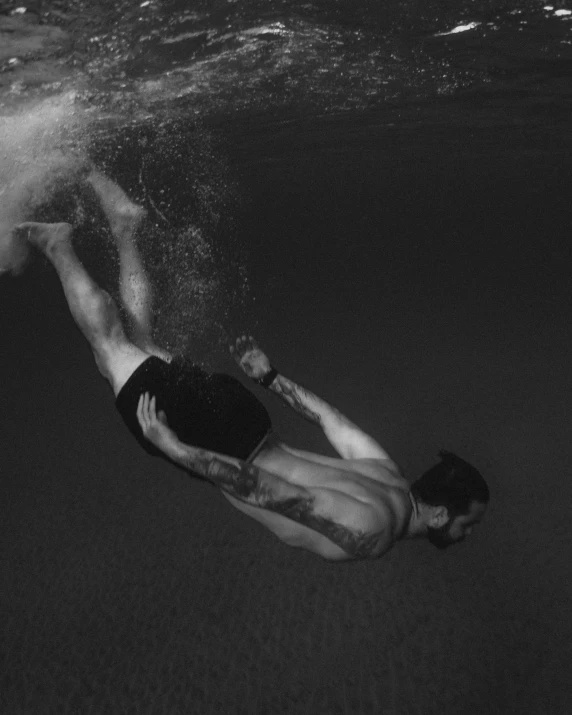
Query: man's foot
(123, 215)
(125, 223)
(44, 235)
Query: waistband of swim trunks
(259, 447)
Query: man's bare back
(376, 496)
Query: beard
(440, 536)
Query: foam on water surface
(41, 145)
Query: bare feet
(44, 235)
(123, 215)
(124, 224)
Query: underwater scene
(379, 193)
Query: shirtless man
(355, 506)
(352, 507)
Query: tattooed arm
(347, 438)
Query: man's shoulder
(385, 471)
(389, 498)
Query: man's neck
(415, 527)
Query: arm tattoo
(239, 480)
(296, 397)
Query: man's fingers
(238, 347)
(151, 407)
(142, 413)
(242, 346)
(145, 406)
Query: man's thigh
(118, 360)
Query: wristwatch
(269, 378)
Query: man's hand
(250, 358)
(154, 426)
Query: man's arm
(347, 438)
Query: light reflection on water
(320, 56)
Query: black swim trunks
(211, 411)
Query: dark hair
(453, 483)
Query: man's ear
(439, 516)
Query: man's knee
(130, 211)
(125, 215)
(100, 322)
(106, 325)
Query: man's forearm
(306, 403)
(234, 476)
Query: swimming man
(355, 506)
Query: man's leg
(136, 292)
(92, 308)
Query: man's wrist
(268, 379)
(172, 446)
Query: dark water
(387, 207)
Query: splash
(41, 149)
(189, 246)
(192, 256)
(47, 150)
(190, 291)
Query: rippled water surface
(331, 56)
